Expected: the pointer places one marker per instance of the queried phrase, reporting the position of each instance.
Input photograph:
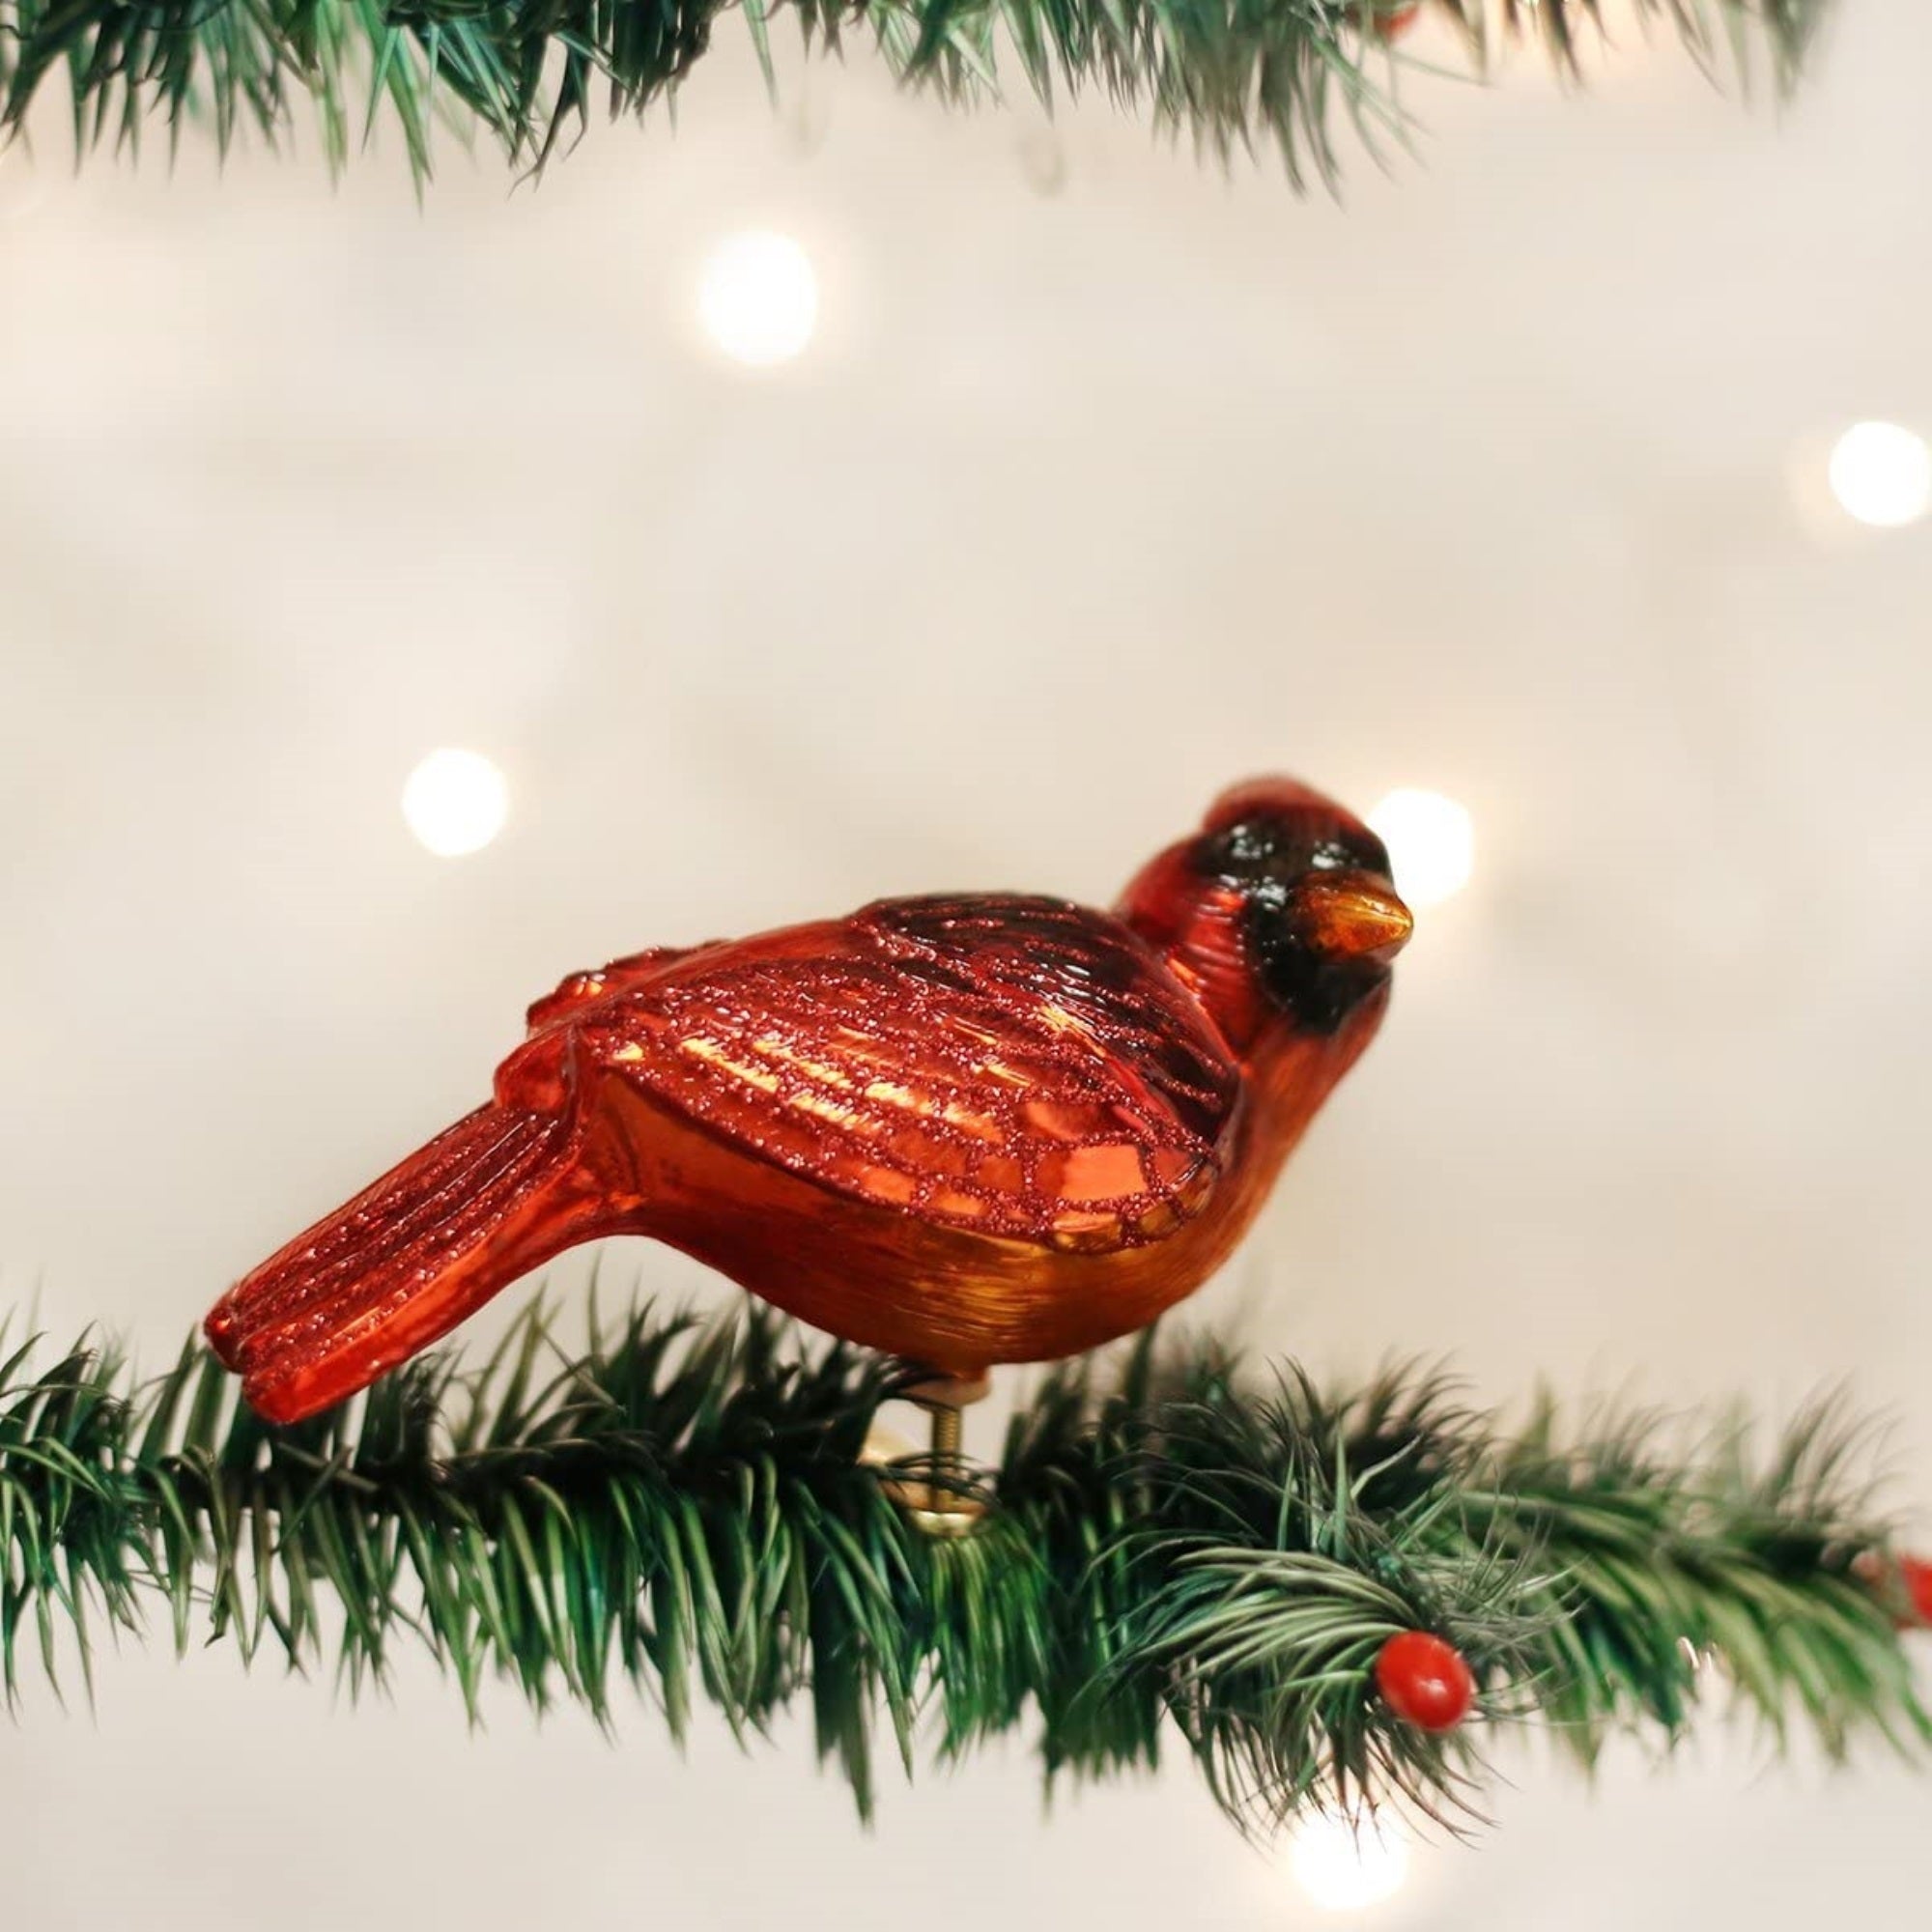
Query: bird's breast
(868, 1269)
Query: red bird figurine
(964, 1130)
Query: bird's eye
(1359, 850)
(1266, 854)
(1242, 853)
(1250, 845)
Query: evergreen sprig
(1181, 1551)
(1248, 73)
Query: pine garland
(1186, 1551)
(1255, 72)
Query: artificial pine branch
(1184, 1552)
(1255, 72)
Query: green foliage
(1177, 1554)
(1279, 73)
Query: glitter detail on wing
(1020, 1067)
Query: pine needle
(1181, 1552)
(1259, 74)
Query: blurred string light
(1344, 1866)
(456, 802)
(1432, 844)
(758, 299)
(1882, 474)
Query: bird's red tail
(404, 1261)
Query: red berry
(1915, 1574)
(1392, 26)
(1425, 1680)
(1902, 1584)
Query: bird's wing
(586, 989)
(1019, 1066)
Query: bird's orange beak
(1352, 915)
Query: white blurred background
(1080, 479)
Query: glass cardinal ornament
(962, 1130)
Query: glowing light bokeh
(456, 802)
(1346, 1867)
(758, 299)
(1432, 843)
(1882, 474)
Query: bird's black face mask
(1322, 918)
